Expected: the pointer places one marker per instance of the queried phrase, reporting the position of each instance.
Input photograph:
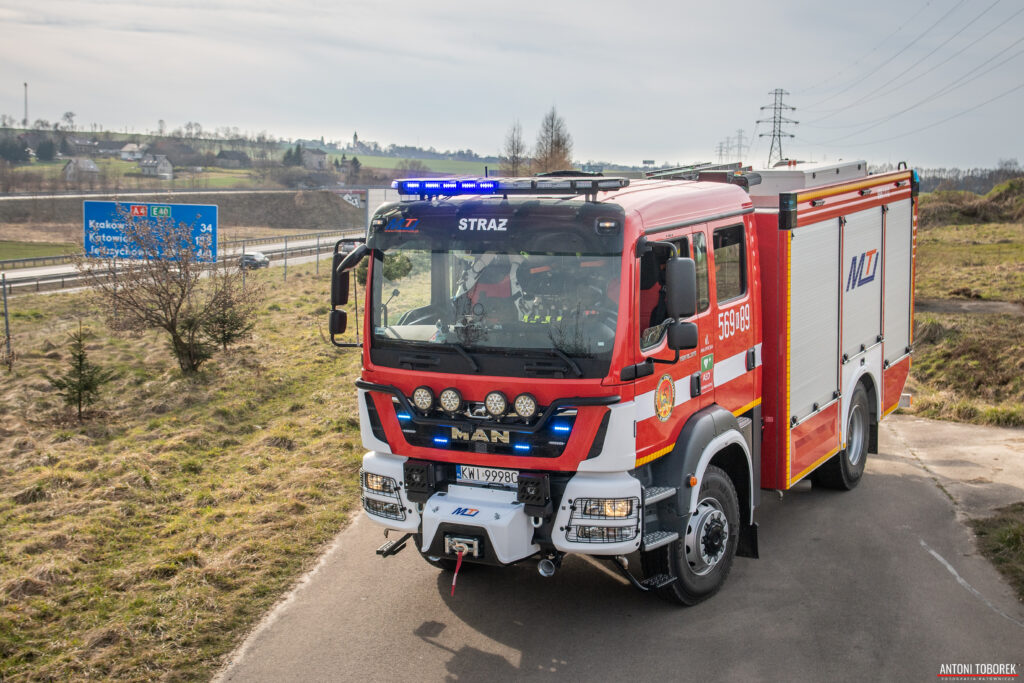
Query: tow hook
(459, 545)
(549, 565)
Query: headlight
(526, 406)
(378, 483)
(423, 398)
(600, 534)
(606, 508)
(496, 403)
(451, 400)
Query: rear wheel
(844, 471)
(702, 558)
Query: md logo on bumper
(466, 512)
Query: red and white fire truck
(594, 365)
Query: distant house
(231, 159)
(156, 166)
(132, 152)
(81, 146)
(314, 159)
(80, 170)
(109, 148)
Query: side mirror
(353, 258)
(339, 282)
(338, 323)
(681, 287)
(682, 336)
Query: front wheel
(702, 558)
(844, 470)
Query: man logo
(487, 436)
(466, 512)
(862, 269)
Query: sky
(936, 83)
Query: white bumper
(405, 517)
(495, 512)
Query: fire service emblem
(664, 397)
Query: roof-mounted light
(428, 187)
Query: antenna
(777, 120)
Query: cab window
(700, 259)
(652, 295)
(730, 263)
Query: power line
(930, 125)
(867, 97)
(901, 51)
(955, 85)
(777, 119)
(935, 66)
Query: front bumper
(507, 528)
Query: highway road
(881, 583)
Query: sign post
(106, 227)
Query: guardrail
(13, 264)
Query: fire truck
(618, 368)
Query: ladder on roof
(692, 171)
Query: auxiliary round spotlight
(450, 400)
(423, 398)
(525, 406)
(496, 404)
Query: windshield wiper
(558, 353)
(462, 352)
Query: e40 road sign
(110, 228)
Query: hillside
(302, 210)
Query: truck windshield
(485, 303)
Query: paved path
(881, 583)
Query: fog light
(600, 534)
(526, 406)
(451, 400)
(423, 398)
(606, 508)
(496, 403)
(383, 509)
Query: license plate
(472, 474)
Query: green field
(16, 250)
(435, 165)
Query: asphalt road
(881, 583)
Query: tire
(715, 527)
(844, 471)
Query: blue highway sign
(109, 235)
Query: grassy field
(436, 165)
(971, 261)
(144, 542)
(12, 250)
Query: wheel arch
(711, 436)
(870, 382)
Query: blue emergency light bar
(447, 187)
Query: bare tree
(150, 278)
(69, 120)
(553, 151)
(515, 155)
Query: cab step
(658, 581)
(393, 547)
(656, 539)
(656, 494)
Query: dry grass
(971, 261)
(143, 543)
(1001, 539)
(969, 368)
